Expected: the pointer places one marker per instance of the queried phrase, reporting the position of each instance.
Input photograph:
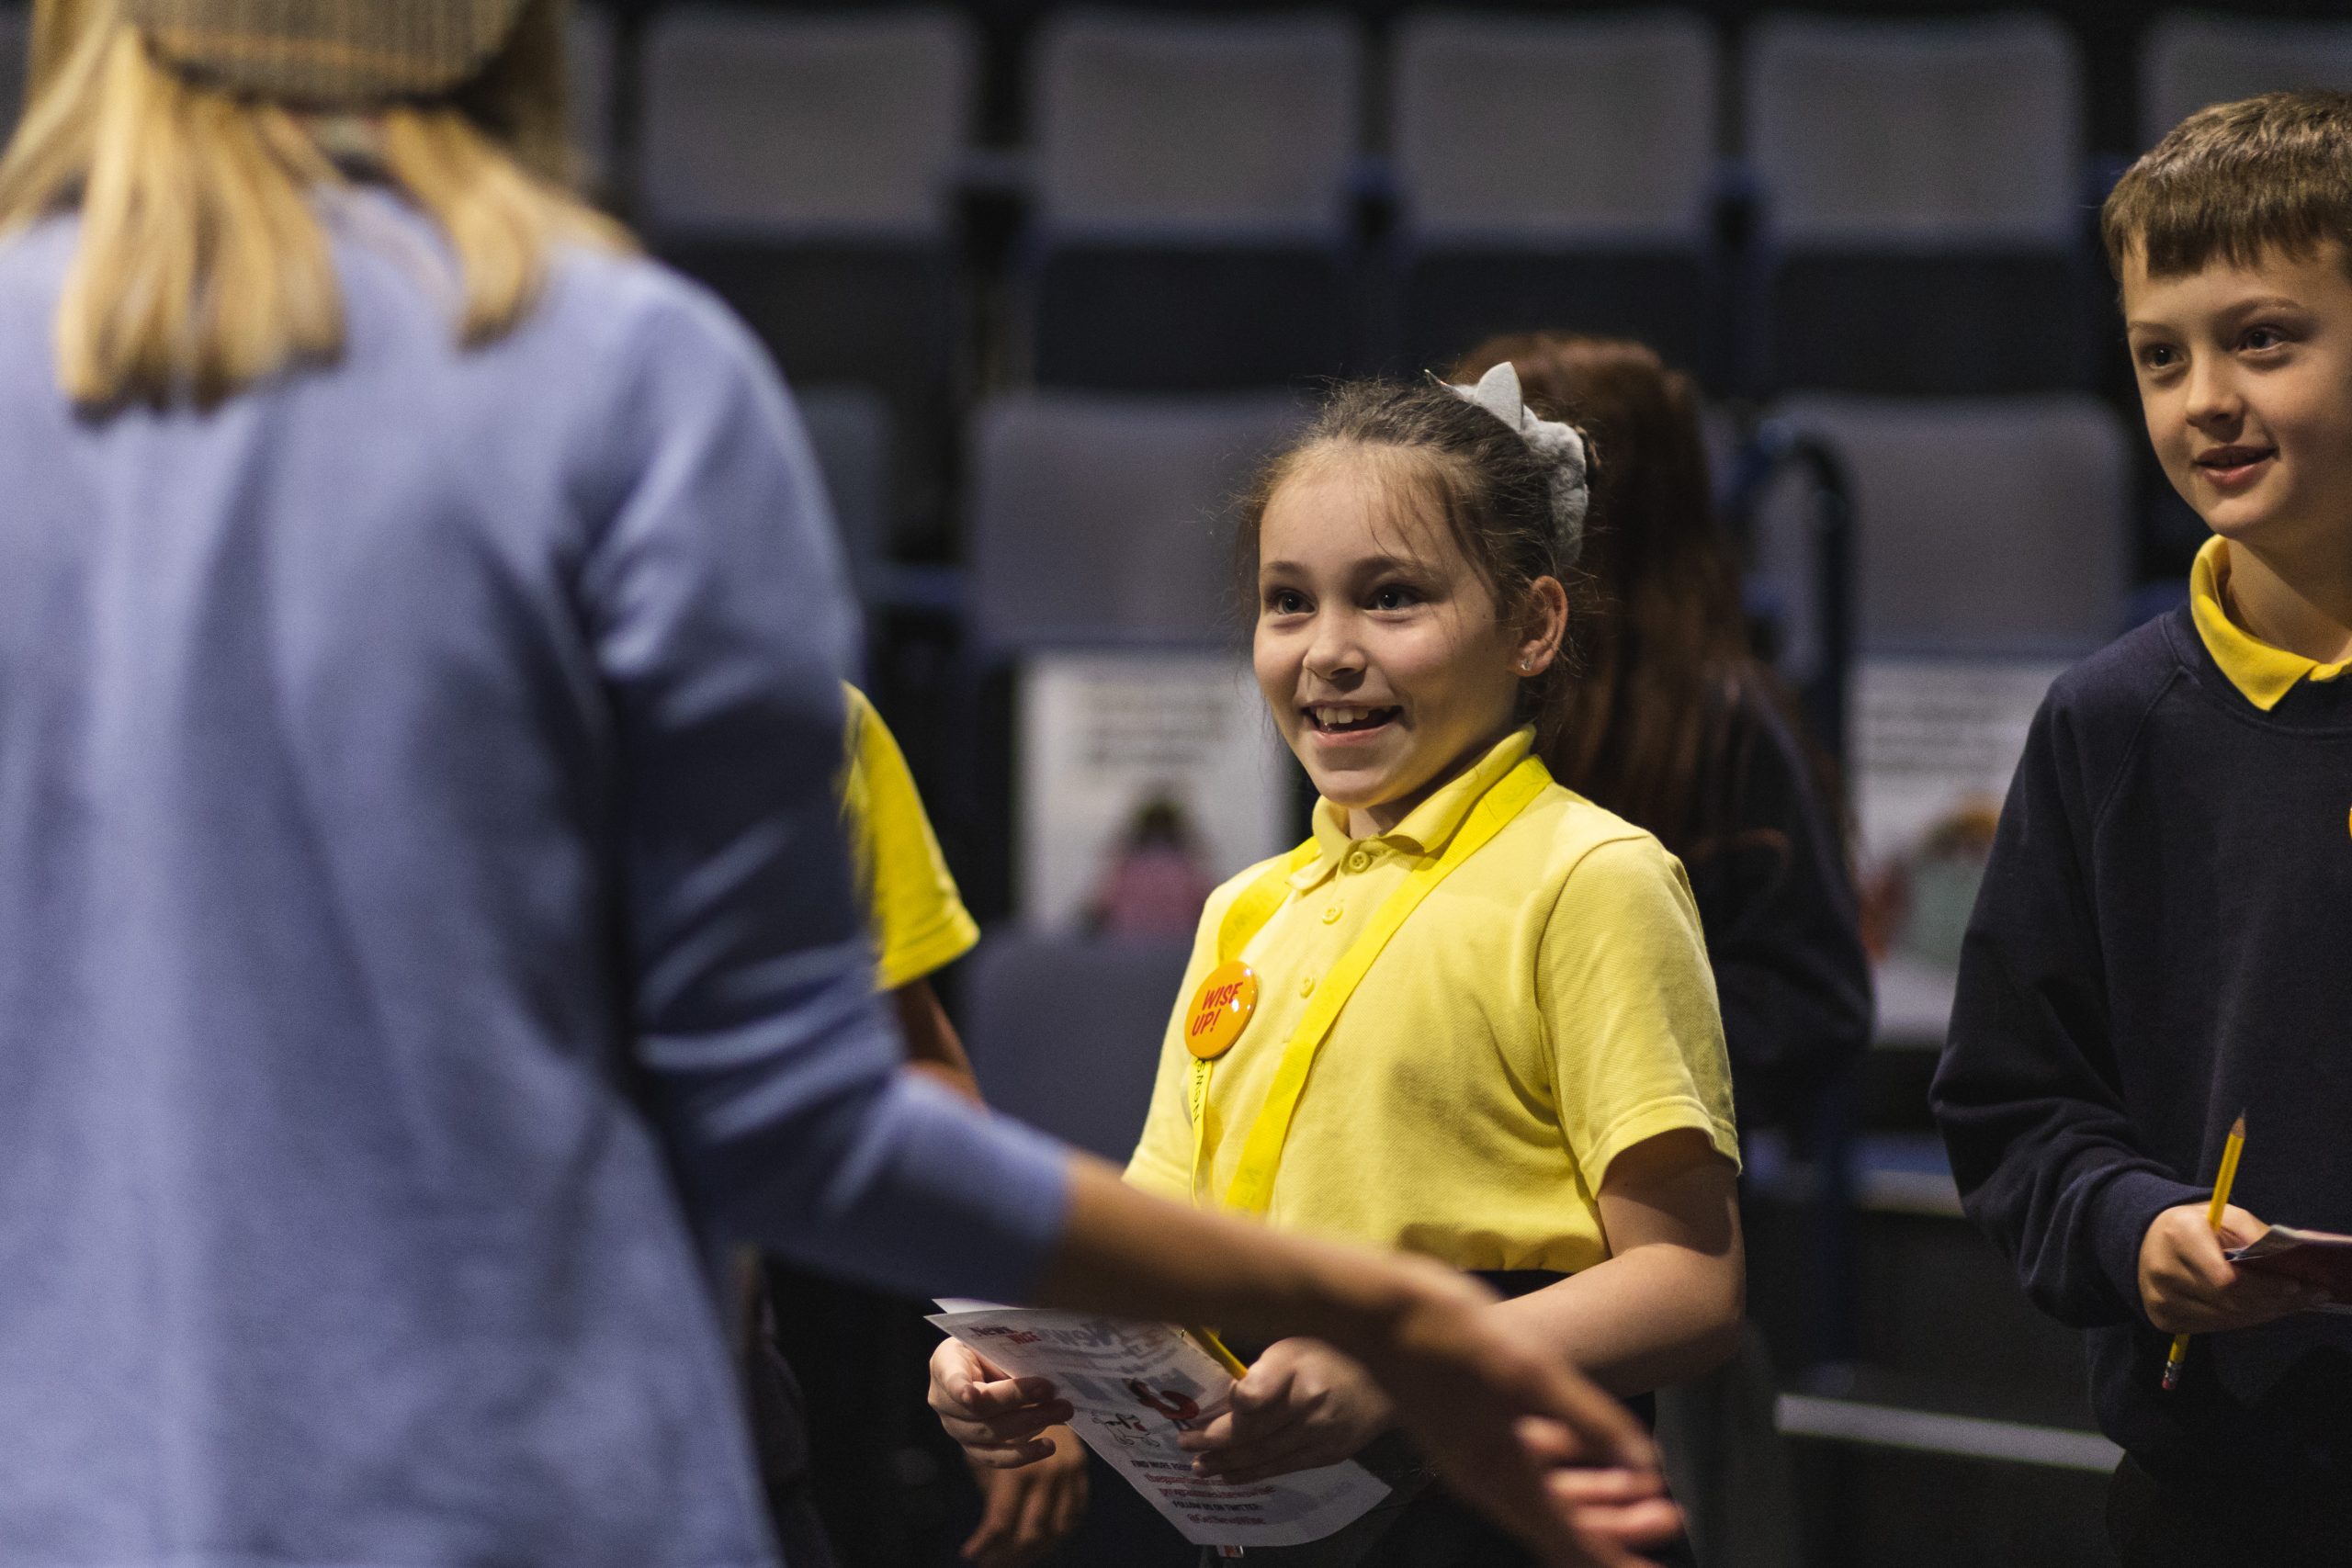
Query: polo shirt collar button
(1306, 985)
(1359, 859)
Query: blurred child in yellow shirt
(918, 926)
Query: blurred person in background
(426, 929)
(1156, 881)
(1677, 725)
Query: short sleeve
(919, 921)
(1629, 1005)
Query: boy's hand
(1000, 1420)
(1027, 1513)
(1303, 1405)
(2188, 1287)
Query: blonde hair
(202, 265)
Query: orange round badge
(1221, 1010)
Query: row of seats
(1596, 124)
(1647, 83)
(1101, 520)
(1194, 186)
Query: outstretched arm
(1501, 1419)
(709, 597)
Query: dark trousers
(2156, 1524)
(779, 1432)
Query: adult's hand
(1514, 1431)
(2189, 1287)
(1026, 1512)
(1517, 1433)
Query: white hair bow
(1559, 446)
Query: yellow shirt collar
(1428, 826)
(2264, 674)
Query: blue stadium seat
(1105, 520)
(1192, 206)
(15, 27)
(1556, 172)
(1983, 526)
(802, 166)
(855, 442)
(1923, 215)
(589, 50)
(1080, 1068)
(2190, 60)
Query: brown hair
(201, 265)
(2236, 180)
(1492, 490)
(1667, 684)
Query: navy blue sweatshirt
(2165, 940)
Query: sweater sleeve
(2028, 1093)
(720, 623)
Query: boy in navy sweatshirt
(2165, 935)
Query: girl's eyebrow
(1373, 566)
(1362, 566)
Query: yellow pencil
(2230, 1152)
(1207, 1340)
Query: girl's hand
(2188, 1287)
(1302, 1406)
(1000, 1420)
(1027, 1513)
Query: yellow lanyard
(1252, 1188)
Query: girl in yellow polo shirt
(1472, 1016)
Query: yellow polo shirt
(2263, 674)
(1548, 1007)
(919, 923)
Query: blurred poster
(1934, 743)
(1145, 779)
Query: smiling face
(2245, 378)
(1378, 646)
